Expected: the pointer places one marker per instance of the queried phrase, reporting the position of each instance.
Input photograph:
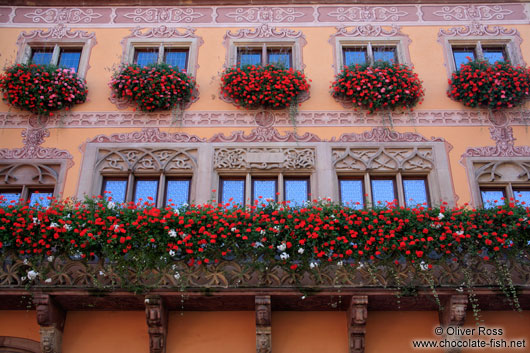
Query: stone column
(51, 318)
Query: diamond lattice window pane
(492, 198)
(233, 192)
(40, 198)
(116, 190)
(178, 192)
(383, 191)
(296, 192)
(522, 196)
(264, 190)
(7, 198)
(351, 193)
(415, 192)
(146, 191)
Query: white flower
(111, 205)
(284, 256)
(116, 227)
(26, 261)
(258, 245)
(233, 229)
(32, 275)
(171, 253)
(172, 233)
(300, 250)
(460, 232)
(67, 227)
(441, 216)
(282, 247)
(361, 265)
(277, 227)
(424, 266)
(177, 275)
(50, 258)
(176, 211)
(263, 232)
(48, 280)
(339, 263)
(36, 220)
(23, 278)
(313, 264)
(101, 273)
(54, 225)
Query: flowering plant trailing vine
(382, 86)
(42, 89)
(153, 87)
(268, 87)
(494, 86)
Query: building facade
(439, 152)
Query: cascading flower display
(493, 86)
(42, 89)
(154, 87)
(298, 238)
(383, 86)
(268, 87)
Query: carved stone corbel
(357, 315)
(51, 318)
(156, 316)
(453, 315)
(263, 324)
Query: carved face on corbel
(153, 316)
(262, 315)
(263, 344)
(458, 313)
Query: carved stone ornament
(381, 134)
(472, 13)
(504, 145)
(157, 318)
(146, 159)
(368, 30)
(32, 139)
(265, 134)
(163, 15)
(264, 158)
(454, 311)
(147, 135)
(58, 32)
(63, 15)
(357, 315)
(383, 158)
(51, 318)
(265, 14)
(263, 324)
(477, 29)
(264, 32)
(367, 14)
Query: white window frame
(344, 43)
(294, 45)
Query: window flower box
(42, 89)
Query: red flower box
(379, 87)
(493, 86)
(42, 89)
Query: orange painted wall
(19, 323)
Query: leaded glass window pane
(69, 58)
(415, 192)
(115, 189)
(461, 56)
(41, 198)
(9, 197)
(42, 56)
(249, 57)
(146, 191)
(383, 191)
(522, 196)
(490, 196)
(384, 54)
(280, 57)
(233, 191)
(177, 192)
(493, 54)
(264, 190)
(351, 193)
(354, 56)
(296, 191)
(176, 58)
(146, 57)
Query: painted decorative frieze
(502, 12)
(264, 32)
(58, 32)
(264, 14)
(383, 158)
(264, 158)
(367, 14)
(504, 145)
(129, 15)
(477, 29)
(33, 138)
(66, 15)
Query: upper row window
(491, 53)
(174, 56)
(265, 55)
(369, 54)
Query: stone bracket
(263, 324)
(51, 318)
(357, 315)
(156, 316)
(453, 315)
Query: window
(492, 53)
(368, 54)
(164, 53)
(264, 55)
(355, 193)
(492, 196)
(64, 48)
(294, 189)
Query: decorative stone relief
(51, 318)
(380, 134)
(145, 159)
(383, 158)
(265, 134)
(163, 15)
(472, 13)
(478, 29)
(368, 31)
(28, 173)
(147, 135)
(453, 315)
(156, 316)
(263, 14)
(357, 315)
(368, 14)
(64, 15)
(58, 32)
(263, 324)
(32, 139)
(264, 32)
(264, 158)
(504, 145)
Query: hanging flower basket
(384, 86)
(154, 87)
(493, 86)
(42, 89)
(267, 87)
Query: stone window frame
(60, 37)
(438, 178)
(367, 35)
(91, 183)
(478, 35)
(264, 166)
(263, 37)
(484, 173)
(163, 37)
